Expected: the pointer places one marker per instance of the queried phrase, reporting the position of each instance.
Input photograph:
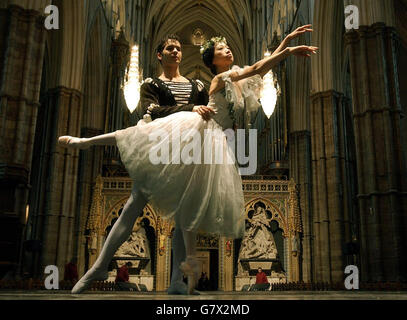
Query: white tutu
(205, 197)
(200, 196)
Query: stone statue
(258, 241)
(135, 246)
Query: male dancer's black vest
(155, 91)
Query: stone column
(295, 230)
(56, 211)
(228, 264)
(382, 169)
(163, 254)
(90, 166)
(300, 171)
(221, 261)
(22, 45)
(331, 203)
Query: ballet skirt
(185, 173)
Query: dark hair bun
(207, 57)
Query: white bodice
(236, 98)
(223, 108)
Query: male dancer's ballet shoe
(74, 142)
(191, 269)
(179, 287)
(84, 284)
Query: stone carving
(198, 37)
(161, 249)
(228, 246)
(258, 241)
(294, 244)
(135, 246)
(207, 241)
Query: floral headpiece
(211, 43)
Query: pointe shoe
(191, 269)
(179, 287)
(74, 142)
(87, 280)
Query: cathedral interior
(330, 188)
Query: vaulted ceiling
(229, 18)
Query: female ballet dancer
(206, 197)
(173, 93)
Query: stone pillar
(90, 166)
(330, 168)
(382, 176)
(22, 44)
(221, 261)
(292, 260)
(57, 211)
(228, 263)
(295, 230)
(300, 171)
(163, 254)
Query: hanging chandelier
(131, 85)
(269, 92)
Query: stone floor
(212, 295)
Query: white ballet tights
(178, 255)
(107, 139)
(121, 230)
(183, 243)
(190, 265)
(190, 243)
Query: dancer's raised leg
(190, 266)
(108, 139)
(120, 233)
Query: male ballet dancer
(159, 97)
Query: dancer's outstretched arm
(296, 33)
(263, 66)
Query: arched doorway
(265, 244)
(143, 257)
(110, 195)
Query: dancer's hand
(205, 111)
(152, 108)
(303, 51)
(299, 31)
